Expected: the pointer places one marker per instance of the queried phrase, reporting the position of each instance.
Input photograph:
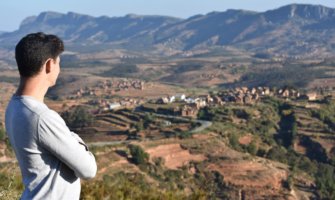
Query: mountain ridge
(295, 29)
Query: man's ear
(48, 65)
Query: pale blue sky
(12, 12)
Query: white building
(113, 106)
(180, 97)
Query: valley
(226, 105)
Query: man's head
(35, 51)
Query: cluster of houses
(106, 105)
(249, 96)
(87, 91)
(171, 99)
(245, 95)
(190, 106)
(122, 85)
(189, 111)
(241, 95)
(109, 87)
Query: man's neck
(33, 87)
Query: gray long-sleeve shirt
(52, 159)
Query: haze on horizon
(12, 12)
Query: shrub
(233, 140)
(78, 117)
(139, 126)
(242, 114)
(278, 154)
(325, 181)
(129, 186)
(139, 156)
(252, 148)
(184, 134)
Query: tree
(78, 117)
(139, 156)
(307, 165)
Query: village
(108, 87)
(240, 95)
(104, 96)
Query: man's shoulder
(51, 117)
(27, 104)
(49, 114)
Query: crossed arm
(67, 146)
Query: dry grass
(174, 156)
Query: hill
(83, 29)
(297, 29)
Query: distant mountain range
(303, 30)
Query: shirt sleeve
(55, 136)
(80, 141)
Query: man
(52, 159)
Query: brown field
(174, 156)
(245, 140)
(244, 173)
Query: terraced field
(313, 128)
(126, 124)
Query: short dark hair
(34, 50)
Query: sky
(12, 12)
